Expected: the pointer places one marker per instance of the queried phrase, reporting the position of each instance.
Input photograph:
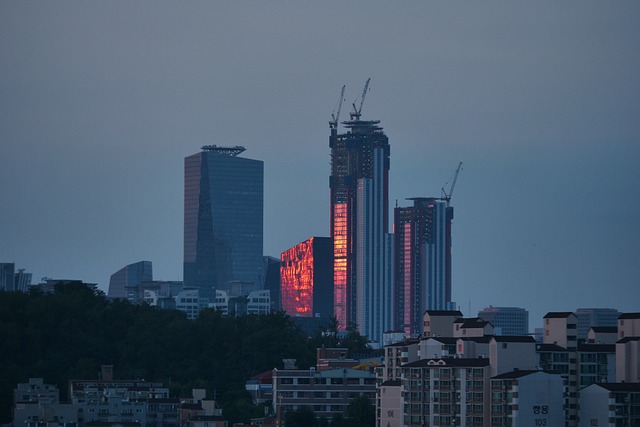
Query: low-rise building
(36, 404)
(327, 393)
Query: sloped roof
(520, 374)
(629, 316)
(514, 338)
(549, 347)
(557, 314)
(605, 329)
(619, 387)
(444, 313)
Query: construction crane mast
(333, 124)
(357, 110)
(447, 196)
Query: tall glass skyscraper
(223, 219)
(422, 261)
(359, 226)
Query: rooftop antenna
(333, 124)
(358, 110)
(447, 196)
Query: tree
(303, 417)
(361, 412)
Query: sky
(101, 101)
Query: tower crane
(447, 196)
(358, 110)
(333, 124)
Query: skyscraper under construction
(359, 225)
(422, 261)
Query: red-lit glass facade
(422, 261)
(306, 278)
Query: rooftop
(557, 314)
(476, 362)
(226, 151)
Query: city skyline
(101, 102)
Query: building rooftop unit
(226, 151)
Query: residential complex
(467, 376)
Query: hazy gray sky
(101, 101)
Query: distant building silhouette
(223, 219)
(10, 280)
(272, 280)
(7, 276)
(129, 276)
(507, 320)
(589, 317)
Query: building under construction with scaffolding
(362, 246)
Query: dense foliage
(70, 333)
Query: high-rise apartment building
(306, 275)
(223, 219)
(422, 262)
(359, 226)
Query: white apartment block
(446, 392)
(527, 398)
(610, 405)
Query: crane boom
(333, 124)
(447, 197)
(357, 110)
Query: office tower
(359, 226)
(306, 276)
(507, 320)
(7, 276)
(129, 276)
(422, 263)
(223, 216)
(588, 317)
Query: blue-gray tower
(223, 219)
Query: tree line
(72, 332)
